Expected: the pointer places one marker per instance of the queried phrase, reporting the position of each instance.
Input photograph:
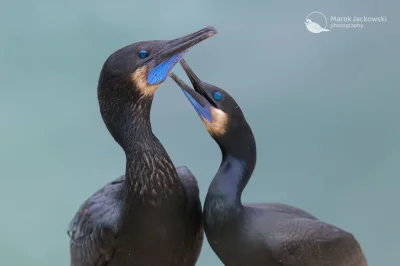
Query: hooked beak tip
(211, 31)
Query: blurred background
(324, 109)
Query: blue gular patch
(203, 112)
(160, 73)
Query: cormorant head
(219, 112)
(134, 72)
(145, 65)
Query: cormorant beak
(184, 43)
(198, 85)
(197, 97)
(172, 51)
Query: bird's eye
(143, 54)
(217, 96)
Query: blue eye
(143, 54)
(217, 96)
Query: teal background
(324, 109)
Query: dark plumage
(266, 234)
(151, 216)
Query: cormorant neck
(135, 132)
(239, 156)
(126, 113)
(150, 174)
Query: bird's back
(295, 237)
(281, 208)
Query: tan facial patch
(219, 123)
(139, 78)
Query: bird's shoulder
(188, 180)
(304, 241)
(95, 225)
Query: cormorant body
(151, 216)
(265, 234)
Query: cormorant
(151, 216)
(266, 234)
